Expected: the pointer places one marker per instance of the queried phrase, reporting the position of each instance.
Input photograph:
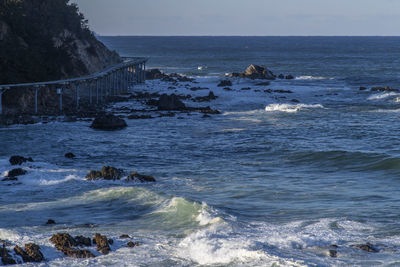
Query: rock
(153, 74)
(185, 79)
(77, 253)
(258, 72)
(62, 241)
(110, 241)
(168, 114)
(280, 91)
(281, 76)
(367, 247)
(16, 172)
(362, 88)
(106, 173)
(31, 253)
(69, 155)
(5, 256)
(206, 116)
(383, 89)
(198, 88)
(333, 253)
(170, 102)
(210, 97)
(295, 101)
(227, 89)
(7, 179)
(18, 160)
(134, 176)
(66, 243)
(124, 236)
(132, 244)
(108, 122)
(50, 221)
(208, 110)
(289, 77)
(263, 84)
(224, 83)
(101, 243)
(246, 88)
(83, 241)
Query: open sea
(277, 179)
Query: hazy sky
(242, 17)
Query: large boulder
(134, 176)
(108, 122)
(170, 102)
(16, 172)
(18, 160)
(66, 243)
(106, 173)
(258, 72)
(31, 253)
(102, 243)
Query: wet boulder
(16, 172)
(134, 176)
(132, 244)
(83, 241)
(106, 173)
(170, 102)
(108, 122)
(69, 155)
(50, 221)
(367, 247)
(63, 240)
(102, 244)
(258, 72)
(31, 253)
(224, 83)
(5, 256)
(289, 77)
(124, 236)
(18, 160)
(66, 243)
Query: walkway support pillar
(36, 98)
(77, 96)
(1, 101)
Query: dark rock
(208, 110)
(106, 173)
(83, 241)
(153, 74)
(31, 253)
(18, 160)
(134, 176)
(108, 122)
(170, 102)
(110, 241)
(210, 97)
(77, 253)
(289, 77)
(333, 253)
(367, 247)
(224, 83)
(280, 91)
(102, 243)
(235, 75)
(295, 101)
(168, 114)
(171, 88)
(198, 88)
(137, 117)
(132, 244)
(5, 256)
(281, 76)
(185, 79)
(124, 236)
(383, 89)
(227, 89)
(362, 88)
(263, 84)
(50, 221)
(7, 179)
(246, 88)
(62, 241)
(258, 72)
(206, 116)
(69, 155)
(16, 172)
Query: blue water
(269, 181)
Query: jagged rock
(78, 253)
(62, 241)
(170, 102)
(5, 256)
(124, 236)
(106, 173)
(132, 244)
(101, 243)
(289, 77)
(18, 160)
(258, 72)
(134, 176)
(108, 122)
(69, 155)
(16, 172)
(224, 83)
(31, 253)
(51, 221)
(83, 241)
(66, 243)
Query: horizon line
(146, 35)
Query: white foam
(307, 77)
(290, 108)
(382, 96)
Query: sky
(243, 17)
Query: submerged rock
(108, 122)
(367, 247)
(289, 77)
(18, 160)
(101, 242)
(106, 173)
(134, 176)
(69, 155)
(16, 172)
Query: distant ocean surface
(278, 179)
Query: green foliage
(27, 53)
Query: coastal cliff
(47, 40)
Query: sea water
(277, 179)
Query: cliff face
(43, 40)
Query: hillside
(43, 40)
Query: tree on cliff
(47, 40)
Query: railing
(91, 89)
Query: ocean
(277, 179)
